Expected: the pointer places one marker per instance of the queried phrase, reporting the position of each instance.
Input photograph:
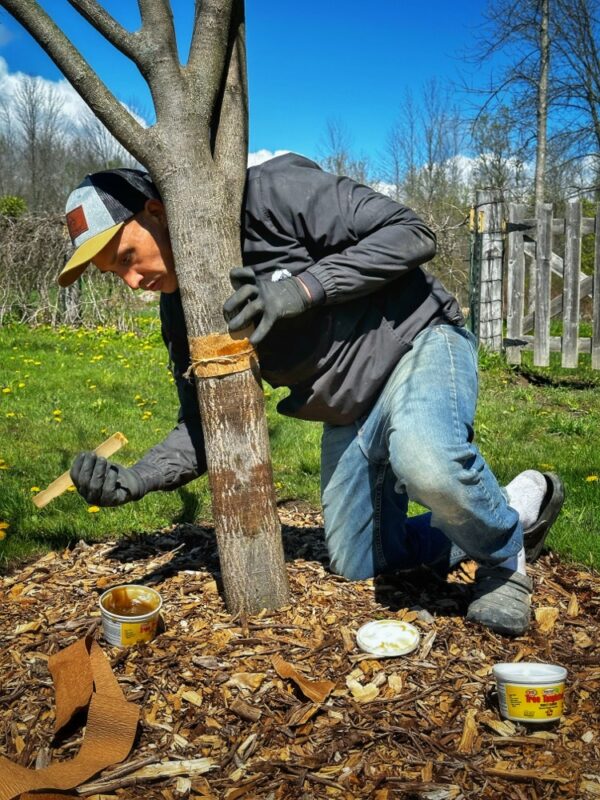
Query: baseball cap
(97, 209)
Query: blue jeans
(416, 443)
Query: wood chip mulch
(425, 725)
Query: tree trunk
(196, 154)
(204, 226)
(542, 128)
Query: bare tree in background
(37, 118)
(576, 44)
(499, 157)
(196, 153)
(520, 31)
(7, 150)
(337, 156)
(98, 146)
(44, 152)
(423, 166)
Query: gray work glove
(102, 483)
(262, 302)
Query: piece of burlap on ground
(82, 675)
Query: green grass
(547, 419)
(65, 390)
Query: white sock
(526, 493)
(516, 563)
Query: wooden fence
(508, 248)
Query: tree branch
(208, 53)
(100, 19)
(231, 141)
(68, 59)
(158, 57)
(157, 16)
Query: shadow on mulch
(194, 548)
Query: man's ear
(156, 209)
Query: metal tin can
(130, 614)
(530, 692)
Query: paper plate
(387, 637)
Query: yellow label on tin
(531, 702)
(132, 632)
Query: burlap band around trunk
(220, 354)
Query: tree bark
(196, 154)
(205, 232)
(542, 129)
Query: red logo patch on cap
(76, 222)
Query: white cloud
(385, 188)
(73, 107)
(261, 156)
(77, 112)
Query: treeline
(44, 153)
(533, 132)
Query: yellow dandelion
(71, 489)
(2, 535)
(6, 390)
(21, 385)
(92, 386)
(4, 466)
(57, 412)
(10, 414)
(546, 466)
(591, 478)
(57, 419)
(93, 509)
(4, 525)
(35, 489)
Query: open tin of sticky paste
(387, 637)
(130, 614)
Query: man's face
(140, 253)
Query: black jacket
(360, 252)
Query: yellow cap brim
(78, 262)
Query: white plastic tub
(530, 692)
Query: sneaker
(501, 600)
(535, 536)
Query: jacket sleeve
(360, 239)
(180, 457)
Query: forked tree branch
(158, 57)
(157, 15)
(153, 48)
(112, 31)
(159, 31)
(208, 53)
(67, 58)
(231, 141)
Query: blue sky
(309, 62)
